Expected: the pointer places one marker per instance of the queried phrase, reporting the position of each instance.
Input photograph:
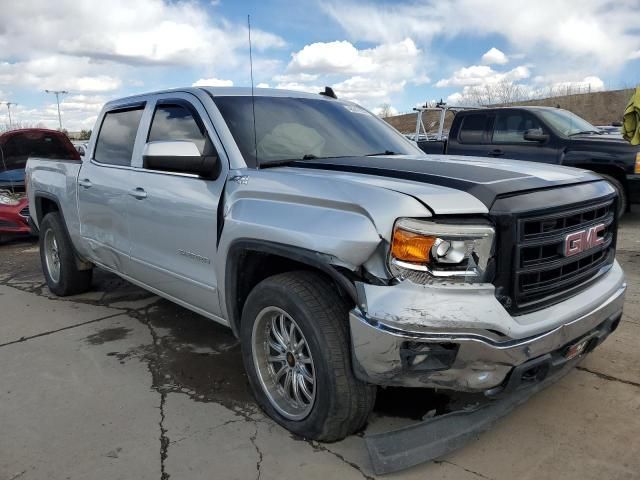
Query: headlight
(424, 251)
(7, 200)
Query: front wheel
(295, 348)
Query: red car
(16, 146)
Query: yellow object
(637, 170)
(631, 121)
(411, 247)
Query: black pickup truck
(540, 134)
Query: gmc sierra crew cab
(341, 256)
(538, 134)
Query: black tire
(342, 402)
(623, 200)
(71, 281)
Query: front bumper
(12, 221)
(461, 338)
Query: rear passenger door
(507, 139)
(174, 221)
(104, 183)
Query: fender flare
(318, 261)
(38, 196)
(81, 263)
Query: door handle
(495, 153)
(85, 182)
(138, 193)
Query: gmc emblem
(583, 240)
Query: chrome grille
(542, 272)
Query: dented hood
(483, 179)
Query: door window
(117, 136)
(473, 128)
(176, 122)
(511, 126)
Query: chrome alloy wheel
(51, 255)
(284, 363)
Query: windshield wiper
(287, 161)
(585, 132)
(386, 152)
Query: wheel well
(247, 268)
(45, 205)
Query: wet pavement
(118, 383)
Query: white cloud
(212, 82)
(89, 47)
(494, 57)
(140, 33)
(364, 75)
(479, 75)
(60, 73)
(599, 32)
(343, 57)
(262, 85)
(365, 89)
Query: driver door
(173, 216)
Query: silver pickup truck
(340, 255)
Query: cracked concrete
(119, 384)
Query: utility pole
(9, 105)
(57, 93)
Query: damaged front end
(458, 336)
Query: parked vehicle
(539, 134)
(15, 147)
(339, 254)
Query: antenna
(253, 99)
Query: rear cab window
(473, 128)
(117, 136)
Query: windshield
(566, 123)
(289, 128)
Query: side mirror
(535, 135)
(179, 156)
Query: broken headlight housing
(427, 251)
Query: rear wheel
(623, 202)
(58, 259)
(295, 348)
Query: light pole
(57, 93)
(9, 105)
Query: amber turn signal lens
(411, 247)
(637, 170)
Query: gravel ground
(118, 383)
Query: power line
(57, 93)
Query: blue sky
(399, 53)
